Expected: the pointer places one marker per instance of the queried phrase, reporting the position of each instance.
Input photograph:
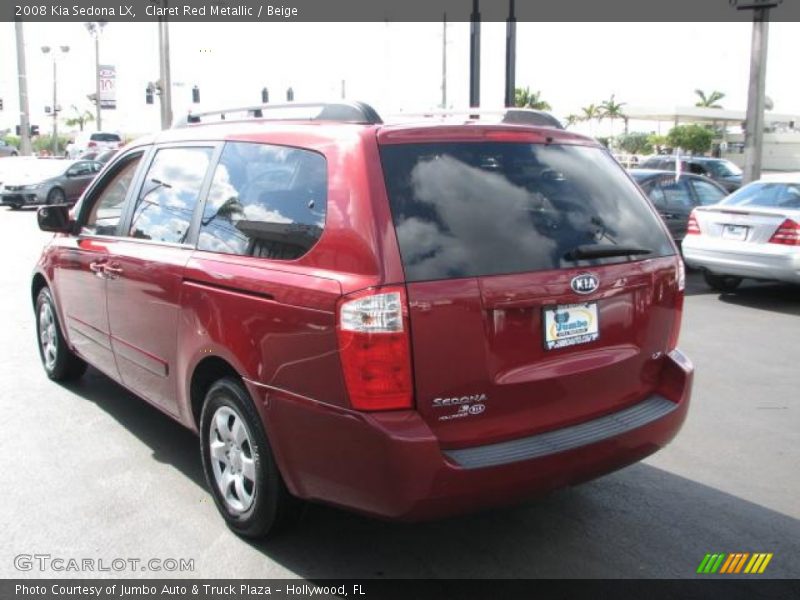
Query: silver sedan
(753, 233)
(32, 182)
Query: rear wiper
(603, 251)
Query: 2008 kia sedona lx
(409, 320)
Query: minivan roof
(421, 131)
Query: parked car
(7, 149)
(101, 156)
(753, 233)
(96, 141)
(723, 171)
(410, 321)
(42, 181)
(675, 199)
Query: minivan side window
(105, 212)
(266, 201)
(169, 194)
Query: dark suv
(723, 171)
(409, 321)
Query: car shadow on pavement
(169, 441)
(774, 297)
(638, 522)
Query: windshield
(723, 168)
(474, 209)
(768, 195)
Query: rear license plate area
(570, 324)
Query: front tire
(722, 283)
(239, 466)
(59, 361)
(56, 196)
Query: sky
(397, 66)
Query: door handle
(113, 270)
(98, 268)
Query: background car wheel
(13, 154)
(14, 206)
(722, 283)
(56, 196)
(239, 465)
(60, 362)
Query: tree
(79, 118)
(709, 101)
(635, 143)
(692, 138)
(590, 113)
(527, 99)
(611, 109)
(571, 119)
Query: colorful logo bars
(737, 562)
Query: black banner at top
(132, 11)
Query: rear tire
(59, 361)
(239, 466)
(722, 283)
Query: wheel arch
(205, 373)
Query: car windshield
(766, 194)
(472, 209)
(104, 137)
(723, 168)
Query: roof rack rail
(517, 116)
(344, 112)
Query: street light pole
(24, 109)
(46, 50)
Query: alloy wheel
(232, 461)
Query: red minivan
(409, 321)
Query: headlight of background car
(28, 188)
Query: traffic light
(290, 95)
(196, 95)
(148, 94)
(265, 96)
(34, 130)
(18, 130)
(1, 104)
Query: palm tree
(571, 119)
(590, 113)
(611, 109)
(710, 100)
(527, 99)
(79, 118)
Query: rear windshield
(474, 209)
(768, 195)
(105, 137)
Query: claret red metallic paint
(450, 407)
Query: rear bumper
(743, 259)
(391, 465)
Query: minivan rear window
(104, 137)
(470, 209)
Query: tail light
(375, 349)
(680, 280)
(692, 228)
(92, 145)
(788, 233)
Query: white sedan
(753, 233)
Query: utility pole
(95, 29)
(511, 55)
(24, 109)
(165, 78)
(475, 56)
(344, 89)
(56, 110)
(444, 60)
(754, 122)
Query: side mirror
(54, 218)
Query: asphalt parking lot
(91, 471)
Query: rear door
(512, 332)
(678, 204)
(145, 269)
